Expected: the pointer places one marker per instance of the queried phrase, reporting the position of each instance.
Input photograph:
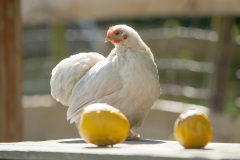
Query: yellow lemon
(192, 129)
(103, 125)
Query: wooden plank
(105, 9)
(10, 71)
(76, 149)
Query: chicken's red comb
(109, 30)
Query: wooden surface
(129, 150)
(48, 10)
(10, 71)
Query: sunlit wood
(45, 10)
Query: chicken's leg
(133, 136)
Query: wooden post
(10, 71)
(223, 26)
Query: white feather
(68, 72)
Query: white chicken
(127, 79)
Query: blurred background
(196, 45)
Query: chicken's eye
(117, 33)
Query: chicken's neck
(131, 58)
(120, 50)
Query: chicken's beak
(107, 39)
